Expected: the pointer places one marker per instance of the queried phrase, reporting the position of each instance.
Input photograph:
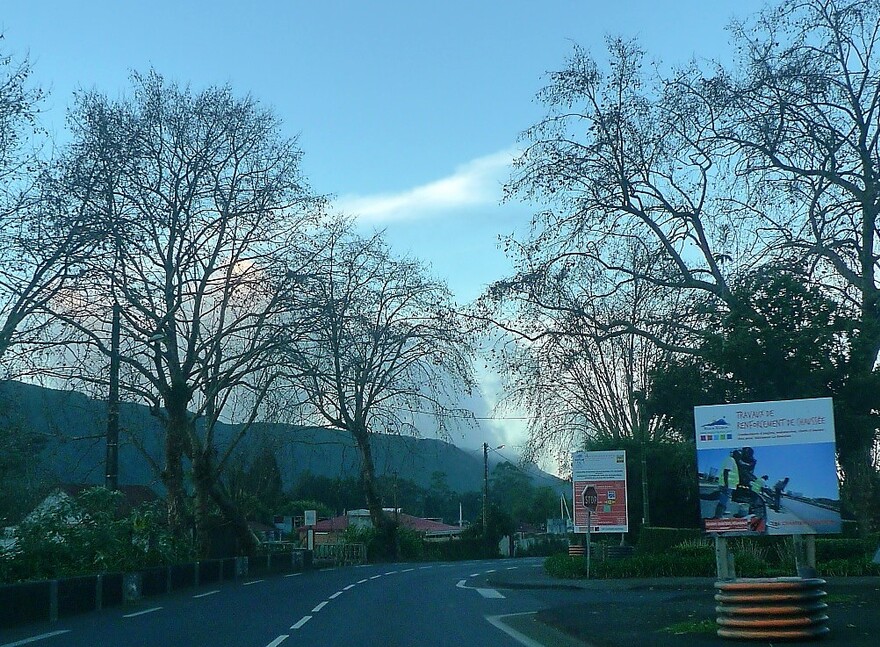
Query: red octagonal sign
(591, 498)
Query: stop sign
(591, 498)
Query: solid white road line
(33, 639)
(252, 582)
(140, 613)
(280, 639)
(335, 595)
(301, 622)
(320, 606)
(522, 639)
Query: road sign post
(591, 502)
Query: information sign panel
(768, 468)
(599, 486)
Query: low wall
(30, 602)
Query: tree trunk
(173, 478)
(208, 489)
(368, 478)
(247, 542)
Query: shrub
(693, 548)
(565, 566)
(654, 541)
(87, 535)
(670, 565)
(835, 549)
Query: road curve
(388, 605)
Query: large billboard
(599, 481)
(768, 468)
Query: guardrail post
(53, 601)
(131, 587)
(241, 567)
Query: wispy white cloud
(474, 183)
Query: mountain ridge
(74, 424)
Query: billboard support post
(724, 565)
(805, 555)
(588, 543)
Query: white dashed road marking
(280, 639)
(301, 622)
(335, 595)
(320, 606)
(350, 586)
(34, 639)
(140, 613)
(204, 595)
(252, 582)
(362, 581)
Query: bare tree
(387, 354)
(799, 119)
(712, 172)
(209, 219)
(40, 242)
(577, 382)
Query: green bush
(834, 549)
(87, 535)
(693, 548)
(848, 568)
(565, 566)
(670, 565)
(656, 541)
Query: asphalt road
(387, 605)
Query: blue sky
(408, 112)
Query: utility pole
(111, 480)
(485, 485)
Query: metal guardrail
(341, 554)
